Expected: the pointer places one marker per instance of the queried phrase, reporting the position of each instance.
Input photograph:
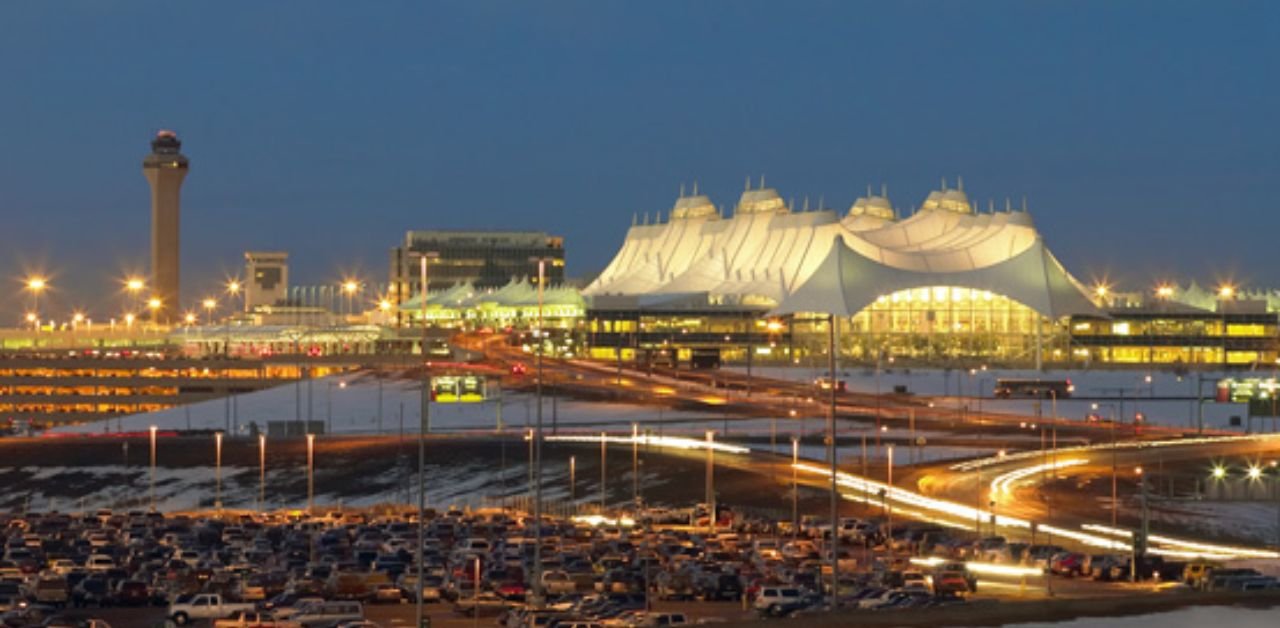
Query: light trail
(673, 442)
(870, 489)
(980, 463)
(1002, 483)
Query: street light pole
(262, 472)
(573, 479)
(424, 426)
(153, 468)
(711, 488)
(604, 470)
(311, 472)
(635, 464)
(795, 487)
(832, 452)
(217, 471)
(537, 446)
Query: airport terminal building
(947, 284)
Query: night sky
(1143, 134)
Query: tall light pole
(888, 507)
(573, 479)
(424, 426)
(604, 470)
(36, 285)
(795, 487)
(311, 472)
(134, 286)
(711, 482)
(217, 471)
(262, 472)
(153, 468)
(349, 288)
(1115, 490)
(209, 304)
(832, 454)
(635, 463)
(537, 446)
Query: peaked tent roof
(845, 283)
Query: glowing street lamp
(36, 285)
(153, 468)
(217, 471)
(209, 304)
(1219, 472)
(1255, 472)
(134, 285)
(189, 318)
(153, 304)
(1164, 291)
(349, 288)
(262, 471)
(1226, 291)
(311, 468)
(76, 319)
(128, 320)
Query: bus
(1034, 388)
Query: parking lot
(645, 567)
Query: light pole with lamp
(153, 468)
(540, 338)
(134, 286)
(604, 470)
(424, 426)
(1115, 491)
(795, 487)
(262, 472)
(573, 479)
(311, 472)
(217, 471)
(36, 285)
(711, 482)
(1226, 292)
(209, 303)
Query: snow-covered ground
(350, 405)
(958, 388)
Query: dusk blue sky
(1143, 134)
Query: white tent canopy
(767, 254)
(845, 283)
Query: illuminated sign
(458, 389)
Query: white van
(327, 614)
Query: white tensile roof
(767, 254)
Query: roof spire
(960, 183)
(633, 219)
(748, 185)
(646, 218)
(695, 187)
(991, 206)
(944, 184)
(868, 189)
(681, 190)
(806, 203)
(1024, 203)
(762, 180)
(1008, 205)
(822, 203)
(884, 190)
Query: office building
(267, 281)
(481, 259)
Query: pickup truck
(204, 606)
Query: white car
(769, 596)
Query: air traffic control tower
(165, 168)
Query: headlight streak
(673, 442)
(869, 491)
(1002, 483)
(972, 465)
